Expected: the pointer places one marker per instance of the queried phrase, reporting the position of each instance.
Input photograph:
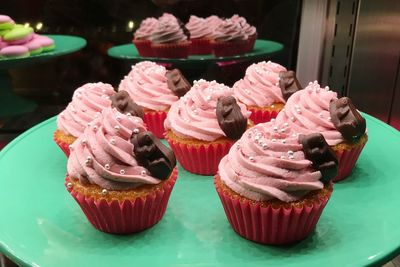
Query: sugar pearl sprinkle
(143, 173)
(116, 127)
(264, 146)
(112, 141)
(71, 147)
(107, 166)
(104, 192)
(251, 158)
(136, 131)
(122, 172)
(69, 185)
(118, 118)
(84, 141)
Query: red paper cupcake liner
(144, 48)
(347, 160)
(268, 224)
(178, 50)
(200, 47)
(259, 116)
(129, 216)
(64, 146)
(201, 159)
(225, 49)
(250, 43)
(155, 122)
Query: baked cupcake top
(316, 109)
(168, 30)
(198, 28)
(117, 153)
(260, 85)
(229, 31)
(213, 22)
(197, 115)
(145, 29)
(87, 102)
(271, 161)
(247, 28)
(148, 85)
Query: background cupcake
(87, 103)
(155, 89)
(249, 30)
(316, 109)
(200, 36)
(229, 39)
(120, 174)
(274, 183)
(142, 37)
(170, 38)
(264, 89)
(203, 125)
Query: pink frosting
(87, 103)
(103, 154)
(146, 28)
(228, 31)
(307, 111)
(247, 28)
(198, 28)
(147, 86)
(194, 115)
(260, 85)
(167, 17)
(168, 30)
(213, 22)
(268, 163)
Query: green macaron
(17, 33)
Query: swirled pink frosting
(87, 102)
(198, 28)
(268, 163)
(147, 86)
(228, 31)
(247, 28)
(213, 22)
(146, 28)
(260, 85)
(307, 111)
(168, 30)
(167, 17)
(103, 154)
(194, 115)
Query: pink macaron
(22, 41)
(14, 51)
(46, 42)
(34, 46)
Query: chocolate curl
(177, 83)
(124, 103)
(288, 83)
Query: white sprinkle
(272, 120)
(104, 192)
(128, 114)
(275, 129)
(291, 157)
(273, 140)
(264, 146)
(272, 106)
(69, 185)
(321, 115)
(286, 124)
(282, 130)
(292, 118)
(329, 118)
(327, 88)
(116, 127)
(290, 152)
(143, 173)
(107, 166)
(83, 141)
(294, 135)
(122, 171)
(89, 124)
(257, 138)
(283, 141)
(208, 98)
(283, 157)
(95, 128)
(251, 158)
(112, 141)
(298, 111)
(71, 147)
(118, 118)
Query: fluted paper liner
(144, 48)
(200, 46)
(155, 122)
(260, 116)
(225, 49)
(127, 216)
(171, 50)
(273, 224)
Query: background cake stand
(12, 104)
(42, 225)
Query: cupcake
(249, 30)
(264, 89)
(275, 183)
(87, 103)
(200, 36)
(142, 36)
(155, 89)
(203, 125)
(318, 109)
(213, 22)
(120, 174)
(229, 39)
(170, 38)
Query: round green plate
(261, 49)
(42, 225)
(65, 44)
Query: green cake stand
(12, 104)
(42, 225)
(262, 49)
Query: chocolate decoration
(317, 150)
(184, 29)
(124, 103)
(230, 117)
(288, 83)
(153, 155)
(346, 119)
(177, 83)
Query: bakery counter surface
(44, 226)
